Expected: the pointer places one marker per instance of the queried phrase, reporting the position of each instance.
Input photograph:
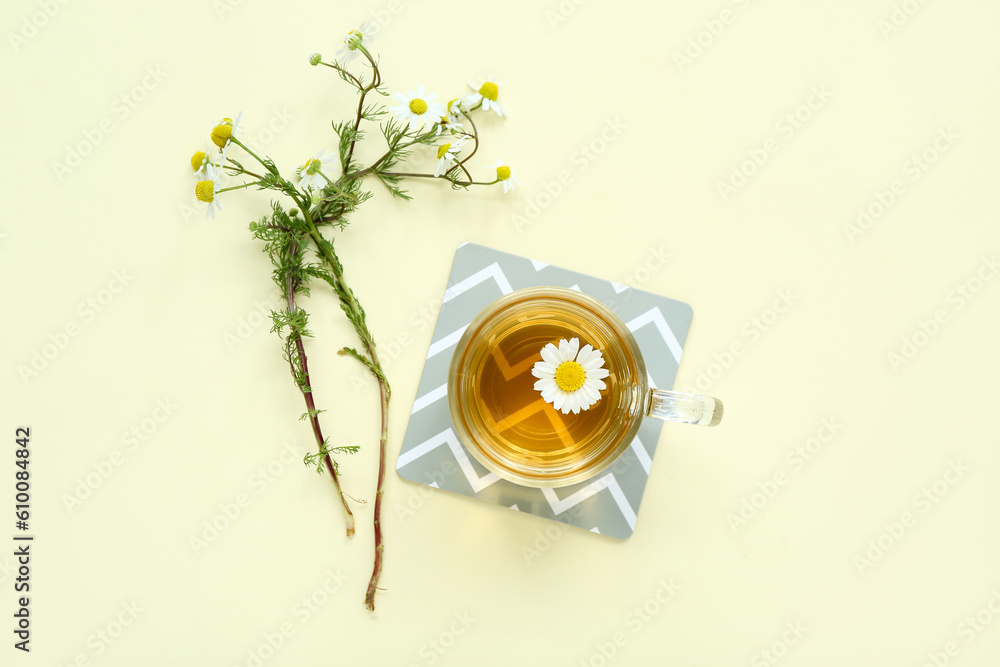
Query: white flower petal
(543, 369)
(550, 353)
(559, 401)
(564, 348)
(584, 354)
(598, 373)
(594, 383)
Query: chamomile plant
(316, 197)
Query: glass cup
(508, 426)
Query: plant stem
(270, 168)
(415, 175)
(306, 388)
(376, 82)
(237, 187)
(379, 546)
(345, 73)
(357, 317)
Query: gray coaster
(431, 453)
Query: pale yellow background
(466, 583)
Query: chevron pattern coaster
(431, 453)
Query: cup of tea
(547, 388)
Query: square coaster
(432, 454)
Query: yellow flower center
(312, 167)
(197, 159)
(221, 135)
(489, 90)
(451, 104)
(570, 376)
(442, 150)
(353, 40)
(205, 191)
(503, 173)
(418, 106)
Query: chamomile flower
(209, 157)
(360, 36)
(570, 378)
(207, 189)
(418, 108)
(227, 127)
(455, 109)
(311, 173)
(451, 121)
(506, 176)
(447, 155)
(487, 93)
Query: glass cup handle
(677, 406)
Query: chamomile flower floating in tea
(570, 377)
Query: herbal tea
(510, 419)
(547, 387)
